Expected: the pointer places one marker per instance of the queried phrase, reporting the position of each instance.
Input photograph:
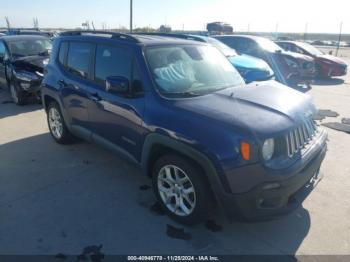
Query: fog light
(25, 86)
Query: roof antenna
(93, 26)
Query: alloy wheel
(176, 190)
(55, 123)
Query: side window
(251, 45)
(239, 44)
(230, 42)
(2, 49)
(284, 46)
(299, 50)
(288, 47)
(112, 61)
(79, 56)
(63, 53)
(136, 83)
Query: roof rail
(113, 35)
(176, 35)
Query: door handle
(62, 82)
(95, 97)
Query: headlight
(291, 63)
(25, 76)
(268, 149)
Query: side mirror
(117, 85)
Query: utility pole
(131, 16)
(305, 31)
(35, 23)
(8, 23)
(276, 30)
(341, 27)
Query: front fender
(216, 181)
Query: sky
(317, 16)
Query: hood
(298, 56)
(248, 62)
(31, 63)
(331, 58)
(262, 109)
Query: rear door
(76, 59)
(116, 119)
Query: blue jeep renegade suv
(179, 109)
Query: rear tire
(181, 189)
(57, 126)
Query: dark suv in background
(290, 68)
(180, 111)
(22, 62)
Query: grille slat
(301, 136)
(298, 138)
(305, 134)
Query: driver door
(116, 119)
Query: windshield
(29, 47)
(227, 51)
(310, 49)
(268, 45)
(191, 70)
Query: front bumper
(326, 70)
(338, 71)
(294, 185)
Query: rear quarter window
(63, 53)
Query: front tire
(57, 126)
(18, 96)
(181, 189)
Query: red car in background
(290, 68)
(326, 65)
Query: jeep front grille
(300, 137)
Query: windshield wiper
(184, 94)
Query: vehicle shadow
(328, 81)
(8, 108)
(303, 89)
(80, 189)
(280, 236)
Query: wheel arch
(47, 99)
(156, 145)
